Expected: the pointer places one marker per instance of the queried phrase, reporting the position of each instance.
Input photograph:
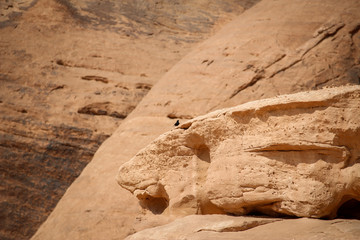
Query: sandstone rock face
(296, 155)
(217, 73)
(273, 48)
(70, 72)
(187, 227)
(217, 227)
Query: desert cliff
(87, 86)
(70, 72)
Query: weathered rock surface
(95, 207)
(273, 48)
(217, 227)
(185, 227)
(295, 155)
(70, 72)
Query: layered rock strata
(94, 207)
(70, 72)
(273, 48)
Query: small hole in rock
(349, 210)
(155, 205)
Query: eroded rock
(106, 108)
(73, 57)
(295, 155)
(188, 226)
(196, 227)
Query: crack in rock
(246, 225)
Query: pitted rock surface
(296, 155)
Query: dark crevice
(178, 116)
(283, 69)
(254, 80)
(325, 36)
(106, 109)
(324, 82)
(242, 227)
(328, 33)
(95, 78)
(278, 59)
(57, 87)
(156, 205)
(354, 30)
(349, 210)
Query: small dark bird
(177, 123)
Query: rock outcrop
(202, 227)
(187, 227)
(206, 79)
(70, 72)
(295, 155)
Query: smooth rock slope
(274, 48)
(220, 72)
(70, 72)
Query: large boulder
(296, 155)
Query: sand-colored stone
(70, 72)
(273, 48)
(295, 155)
(95, 207)
(217, 227)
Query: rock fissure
(245, 226)
(320, 35)
(253, 81)
(354, 30)
(324, 33)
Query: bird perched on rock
(177, 123)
